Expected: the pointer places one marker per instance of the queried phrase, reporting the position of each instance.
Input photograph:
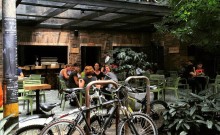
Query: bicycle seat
(48, 106)
(70, 90)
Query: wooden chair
(159, 82)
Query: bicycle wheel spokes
(62, 127)
(139, 124)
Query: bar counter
(50, 72)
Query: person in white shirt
(139, 71)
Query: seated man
(19, 73)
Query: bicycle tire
(30, 129)
(157, 109)
(140, 121)
(64, 126)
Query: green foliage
(128, 60)
(193, 113)
(2, 124)
(193, 21)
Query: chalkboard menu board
(12, 92)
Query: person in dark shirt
(197, 84)
(97, 72)
(89, 71)
(19, 73)
(73, 81)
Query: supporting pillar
(10, 79)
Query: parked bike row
(106, 114)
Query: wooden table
(37, 88)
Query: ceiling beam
(119, 4)
(124, 19)
(90, 17)
(56, 12)
(139, 24)
(95, 10)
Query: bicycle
(130, 121)
(36, 128)
(156, 112)
(157, 107)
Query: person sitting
(109, 76)
(73, 81)
(97, 72)
(64, 73)
(20, 73)
(200, 77)
(189, 74)
(197, 83)
(89, 71)
(199, 69)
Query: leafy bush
(196, 114)
(128, 60)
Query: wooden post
(10, 79)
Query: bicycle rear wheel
(138, 123)
(62, 127)
(30, 130)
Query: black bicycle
(157, 108)
(130, 123)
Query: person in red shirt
(199, 69)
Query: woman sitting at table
(89, 71)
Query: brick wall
(175, 52)
(105, 39)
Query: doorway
(90, 55)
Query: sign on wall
(173, 50)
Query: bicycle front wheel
(62, 127)
(138, 123)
